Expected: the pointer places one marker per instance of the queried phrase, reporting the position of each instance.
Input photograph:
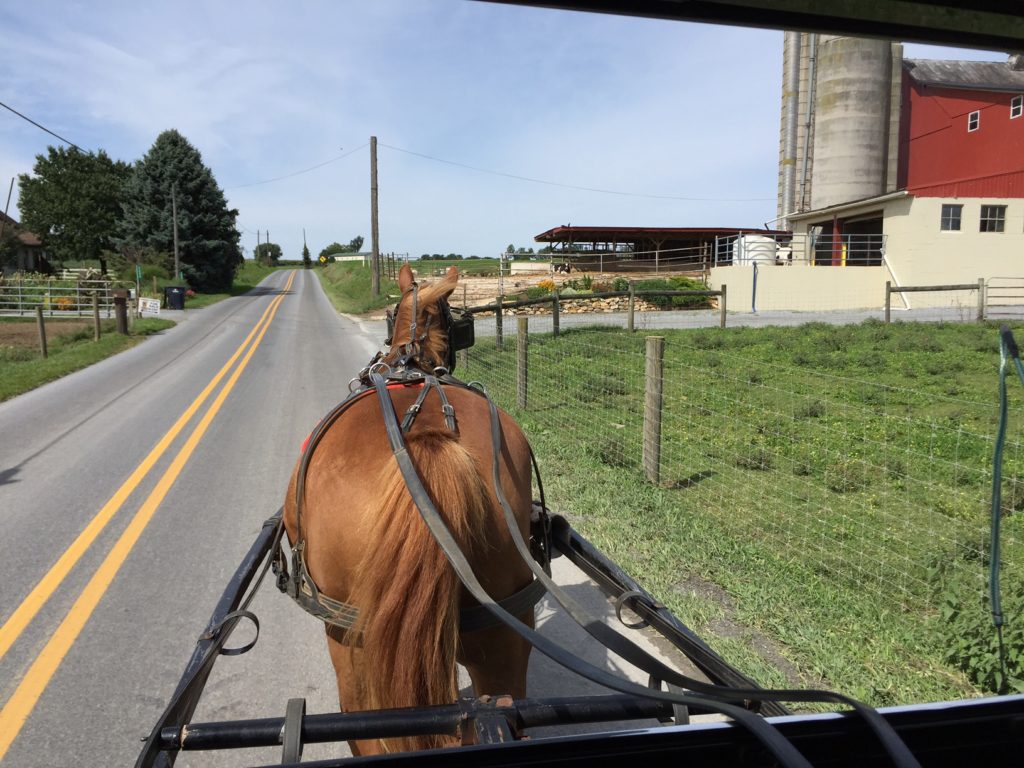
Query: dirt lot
(25, 334)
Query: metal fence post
(497, 325)
(522, 343)
(981, 299)
(555, 312)
(888, 298)
(652, 408)
(632, 306)
(721, 307)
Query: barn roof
(578, 234)
(973, 75)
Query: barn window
(1016, 106)
(951, 218)
(993, 218)
(973, 120)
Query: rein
(340, 616)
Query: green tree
(72, 201)
(9, 246)
(355, 243)
(207, 237)
(268, 254)
(307, 262)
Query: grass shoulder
(348, 286)
(70, 347)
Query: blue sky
(681, 120)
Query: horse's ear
(405, 278)
(447, 284)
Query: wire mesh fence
(849, 467)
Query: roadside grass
(347, 285)
(833, 480)
(22, 368)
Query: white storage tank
(755, 249)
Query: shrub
(674, 284)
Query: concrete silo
(840, 113)
(851, 120)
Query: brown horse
(367, 546)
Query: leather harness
(339, 616)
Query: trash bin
(174, 296)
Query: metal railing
(56, 296)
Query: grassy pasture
(823, 510)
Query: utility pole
(174, 215)
(375, 263)
(6, 207)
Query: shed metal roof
(973, 75)
(625, 234)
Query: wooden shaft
(981, 299)
(555, 313)
(95, 316)
(721, 307)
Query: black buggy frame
(981, 731)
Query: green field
(822, 515)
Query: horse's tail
(406, 591)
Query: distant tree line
(86, 206)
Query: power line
(584, 189)
(41, 127)
(299, 173)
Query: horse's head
(421, 327)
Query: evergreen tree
(208, 240)
(307, 262)
(73, 202)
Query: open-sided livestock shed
(624, 249)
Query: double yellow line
(21, 703)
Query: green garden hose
(1007, 351)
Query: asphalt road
(129, 493)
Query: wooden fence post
(632, 306)
(981, 299)
(721, 307)
(888, 298)
(497, 325)
(95, 316)
(42, 329)
(555, 312)
(652, 408)
(522, 343)
(463, 358)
